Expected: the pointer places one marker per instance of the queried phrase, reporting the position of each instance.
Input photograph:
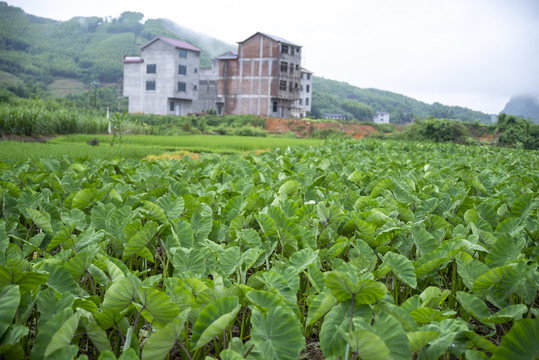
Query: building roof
(132, 59)
(305, 70)
(229, 55)
(176, 43)
(275, 38)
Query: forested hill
(330, 96)
(84, 48)
(43, 52)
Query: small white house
(381, 118)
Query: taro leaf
(229, 260)
(332, 342)
(449, 329)
(363, 291)
(83, 198)
(264, 299)
(46, 331)
(162, 340)
(189, 262)
(524, 205)
(27, 280)
(140, 239)
(62, 337)
(155, 212)
(97, 335)
(88, 237)
(424, 241)
(366, 344)
(480, 342)
(65, 234)
(74, 217)
(319, 306)
(229, 354)
(425, 315)
(48, 303)
(184, 233)
(303, 258)
(419, 339)
(492, 277)
(10, 298)
(506, 314)
(250, 237)
(473, 305)
(289, 187)
(277, 334)
(520, 343)
(60, 279)
(504, 251)
(475, 355)
(392, 334)
(401, 268)
(202, 222)
(41, 219)
(156, 305)
(469, 270)
(128, 354)
(121, 293)
(277, 281)
(213, 319)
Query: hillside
(65, 57)
(526, 106)
(328, 96)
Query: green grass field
(140, 146)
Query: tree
(360, 111)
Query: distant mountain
(84, 49)
(526, 106)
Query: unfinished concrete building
(262, 78)
(164, 79)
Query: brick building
(264, 77)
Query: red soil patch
(304, 128)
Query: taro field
(348, 250)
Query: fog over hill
(526, 105)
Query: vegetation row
(370, 250)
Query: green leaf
(157, 305)
(520, 343)
(264, 299)
(332, 342)
(419, 339)
(363, 291)
(47, 330)
(138, 241)
(506, 314)
(277, 334)
(121, 293)
(424, 241)
(367, 345)
(401, 268)
(10, 298)
(289, 187)
(65, 234)
(160, 343)
(301, 259)
(319, 306)
(189, 262)
(524, 205)
(492, 277)
(97, 335)
(473, 305)
(62, 337)
(41, 219)
(155, 212)
(83, 198)
(213, 319)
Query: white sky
(471, 53)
